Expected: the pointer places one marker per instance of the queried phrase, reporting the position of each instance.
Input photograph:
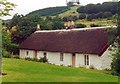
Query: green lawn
(28, 71)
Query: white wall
(94, 61)
(106, 59)
(54, 58)
(98, 62)
(23, 53)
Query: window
(44, 54)
(61, 56)
(86, 60)
(27, 53)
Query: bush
(80, 25)
(16, 56)
(115, 65)
(82, 16)
(94, 25)
(43, 59)
(28, 58)
(92, 67)
(90, 17)
(5, 53)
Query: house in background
(72, 2)
(86, 47)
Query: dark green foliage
(6, 43)
(28, 58)
(107, 14)
(70, 18)
(116, 63)
(97, 8)
(91, 17)
(99, 15)
(50, 11)
(82, 16)
(48, 18)
(26, 25)
(74, 18)
(58, 25)
(80, 25)
(5, 53)
(65, 19)
(94, 25)
(43, 59)
(116, 59)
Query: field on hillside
(28, 71)
(71, 12)
(102, 22)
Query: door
(73, 59)
(35, 54)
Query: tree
(6, 7)
(82, 16)
(58, 25)
(116, 60)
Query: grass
(102, 22)
(28, 71)
(71, 12)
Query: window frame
(61, 56)
(86, 59)
(27, 53)
(44, 54)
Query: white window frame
(86, 58)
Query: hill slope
(28, 71)
(50, 11)
(71, 12)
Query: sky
(26, 6)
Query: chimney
(38, 27)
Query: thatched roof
(91, 41)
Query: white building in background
(76, 47)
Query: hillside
(28, 71)
(51, 11)
(71, 12)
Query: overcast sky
(26, 6)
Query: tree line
(97, 8)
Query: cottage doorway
(73, 59)
(35, 54)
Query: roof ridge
(76, 29)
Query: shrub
(90, 17)
(43, 59)
(94, 25)
(80, 25)
(92, 67)
(82, 16)
(115, 65)
(16, 56)
(69, 65)
(5, 53)
(28, 58)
